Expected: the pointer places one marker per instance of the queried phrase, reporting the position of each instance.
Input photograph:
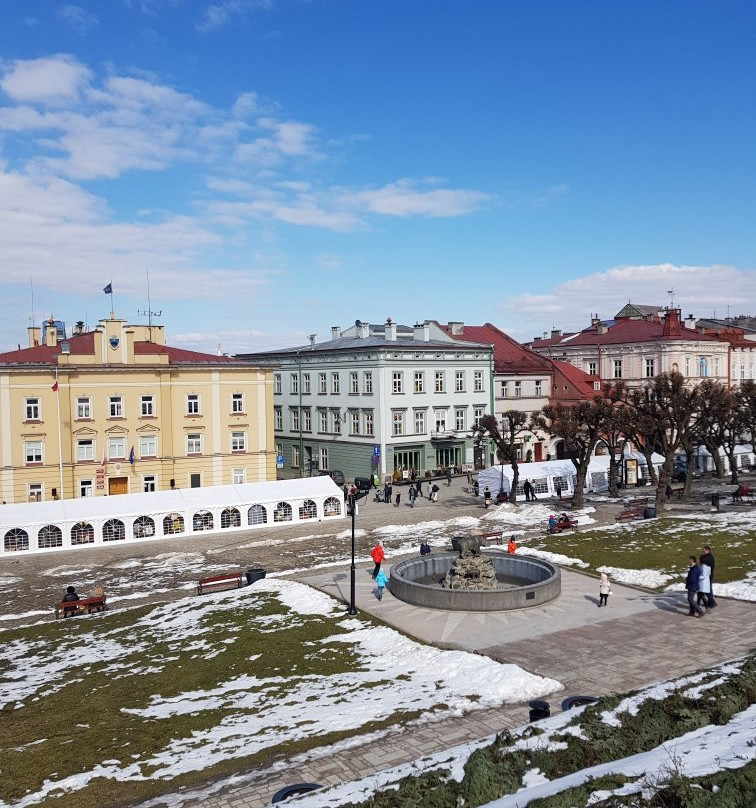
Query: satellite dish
(358, 323)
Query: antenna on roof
(671, 293)
(31, 284)
(149, 314)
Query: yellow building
(115, 410)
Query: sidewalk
(640, 638)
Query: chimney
(690, 322)
(456, 329)
(312, 340)
(35, 335)
(556, 332)
(601, 328)
(422, 332)
(335, 332)
(51, 334)
(672, 323)
(390, 330)
(79, 328)
(595, 320)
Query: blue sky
(281, 166)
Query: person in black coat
(70, 597)
(708, 559)
(692, 581)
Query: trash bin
(539, 709)
(255, 574)
(715, 501)
(649, 513)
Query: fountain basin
(535, 582)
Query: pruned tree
(665, 415)
(746, 401)
(719, 409)
(580, 427)
(615, 421)
(505, 435)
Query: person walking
(604, 589)
(511, 546)
(692, 582)
(558, 489)
(387, 492)
(418, 489)
(708, 559)
(528, 489)
(381, 580)
(377, 555)
(486, 497)
(434, 493)
(448, 477)
(424, 547)
(398, 499)
(704, 585)
(411, 495)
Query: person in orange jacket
(511, 546)
(377, 555)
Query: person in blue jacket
(692, 582)
(381, 580)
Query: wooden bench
(496, 537)
(571, 524)
(71, 608)
(634, 509)
(231, 580)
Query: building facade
(378, 399)
(115, 410)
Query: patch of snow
(651, 579)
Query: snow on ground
(554, 558)
(652, 579)
(742, 590)
(257, 713)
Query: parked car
(336, 475)
(362, 484)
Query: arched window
(113, 530)
(16, 540)
(230, 517)
(82, 533)
(257, 515)
(202, 520)
(703, 367)
(49, 536)
(307, 510)
(282, 513)
(144, 526)
(173, 523)
(332, 507)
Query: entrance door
(407, 460)
(538, 451)
(118, 485)
(195, 481)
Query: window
(460, 419)
(257, 515)
(518, 389)
(277, 384)
(85, 488)
(504, 389)
(237, 476)
(650, 368)
(398, 422)
(335, 421)
(459, 381)
(148, 406)
(238, 441)
(113, 530)
(354, 422)
(282, 512)
(323, 456)
(367, 383)
(32, 409)
(592, 367)
(703, 367)
(538, 387)
(295, 420)
(322, 420)
(202, 520)
(478, 381)
(419, 422)
(438, 383)
(307, 420)
(16, 540)
(33, 451)
(294, 384)
(419, 385)
(335, 383)
(237, 402)
(116, 448)
(617, 368)
(83, 407)
(331, 507)
(82, 533)
(49, 536)
(194, 443)
(295, 457)
(306, 384)
(173, 524)
(354, 383)
(144, 526)
(440, 419)
(478, 413)
(148, 446)
(687, 366)
(192, 404)
(322, 383)
(35, 492)
(84, 450)
(308, 510)
(115, 407)
(230, 517)
(277, 418)
(368, 421)
(397, 382)
(149, 484)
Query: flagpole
(60, 439)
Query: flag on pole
(102, 463)
(55, 387)
(131, 456)
(108, 289)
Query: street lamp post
(352, 500)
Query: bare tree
(615, 420)
(505, 436)
(580, 427)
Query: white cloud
(52, 80)
(218, 15)
(403, 198)
(77, 18)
